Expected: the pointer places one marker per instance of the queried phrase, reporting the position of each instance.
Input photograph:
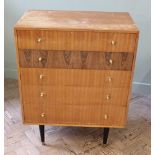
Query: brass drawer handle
(109, 78)
(42, 115)
(105, 116)
(111, 61)
(40, 59)
(41, 76)
(42, 94)
(39, 40)
(108, 97)
(113, 43)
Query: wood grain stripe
(76, 60)
(76, 40)
(75, 114)
(74, 95)
(75, 77)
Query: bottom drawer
(75, 115)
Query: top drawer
(76, 40)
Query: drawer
(76, 60)
(76, 40)
(75, 77)
(74, 115)
(73, 95)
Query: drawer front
(76, 59)
(82, 115)
(73, 95)
(77, 41)
(75, 77)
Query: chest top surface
(77, 20)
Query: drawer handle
(39, 40)
(106, 116)
(42, 94)
(109, 78)
(41, 76)
(110, 61)
(40, 59)
(108, 97)
(43, 115)
(113, 43)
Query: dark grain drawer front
(76, 40)
(82, 115)
(75, 59)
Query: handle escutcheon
(41, 76)
(111, 61)
(113, 43)
(105, 116)
(108, 97)
(42, 115)
(39, 40)
(109, 79)
(42, 94)
(40, 59)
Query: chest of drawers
(75, 68)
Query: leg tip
(105, 143)
(43, 143)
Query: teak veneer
(75, 68)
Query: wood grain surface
(76, 60)
(75, 77)
(75, 115)
(77, 20)
(76, 40)
(74, 95)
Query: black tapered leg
(42, 133)
(105, 135)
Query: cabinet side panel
(19, 74)
(132, 74)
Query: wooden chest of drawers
(75, 68)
